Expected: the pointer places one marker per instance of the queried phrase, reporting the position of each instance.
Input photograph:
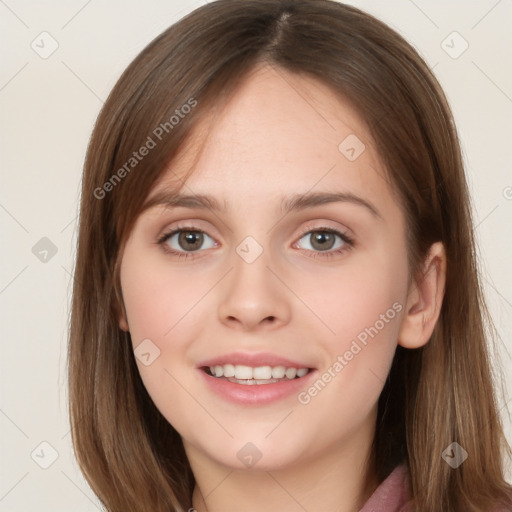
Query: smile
(260, 375)
(258, 386)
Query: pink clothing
(392, 495)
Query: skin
(277, 135)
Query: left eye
(324, 240)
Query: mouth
(255, 376)
(256, 379)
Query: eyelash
(348, 241)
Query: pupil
(323, 239)
(193, 238)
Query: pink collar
(392, 495)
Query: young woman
(276, 304)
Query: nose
(253, 297)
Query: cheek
(361, 310)
(351, 299)
(155, 299)
(168, 309)
(160, 308)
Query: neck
(338, 480)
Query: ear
(119, 308)
(121, 318)
(424, 300)
(123, 324)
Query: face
(298, 260)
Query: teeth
(228, 370)
(260, 373)
(291, 373)
(243, 372)
(278, 372)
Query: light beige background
(48, 108)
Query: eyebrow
(296, 202)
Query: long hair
(436, 395)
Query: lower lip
(256, 394)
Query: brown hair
(131, 456)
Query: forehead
(279, 134)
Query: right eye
(185, 239)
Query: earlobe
(121, 318)
(123, 324)
(119, 309)
(424, 300)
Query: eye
(326, 240)
(182, 240)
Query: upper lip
(254, 360)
